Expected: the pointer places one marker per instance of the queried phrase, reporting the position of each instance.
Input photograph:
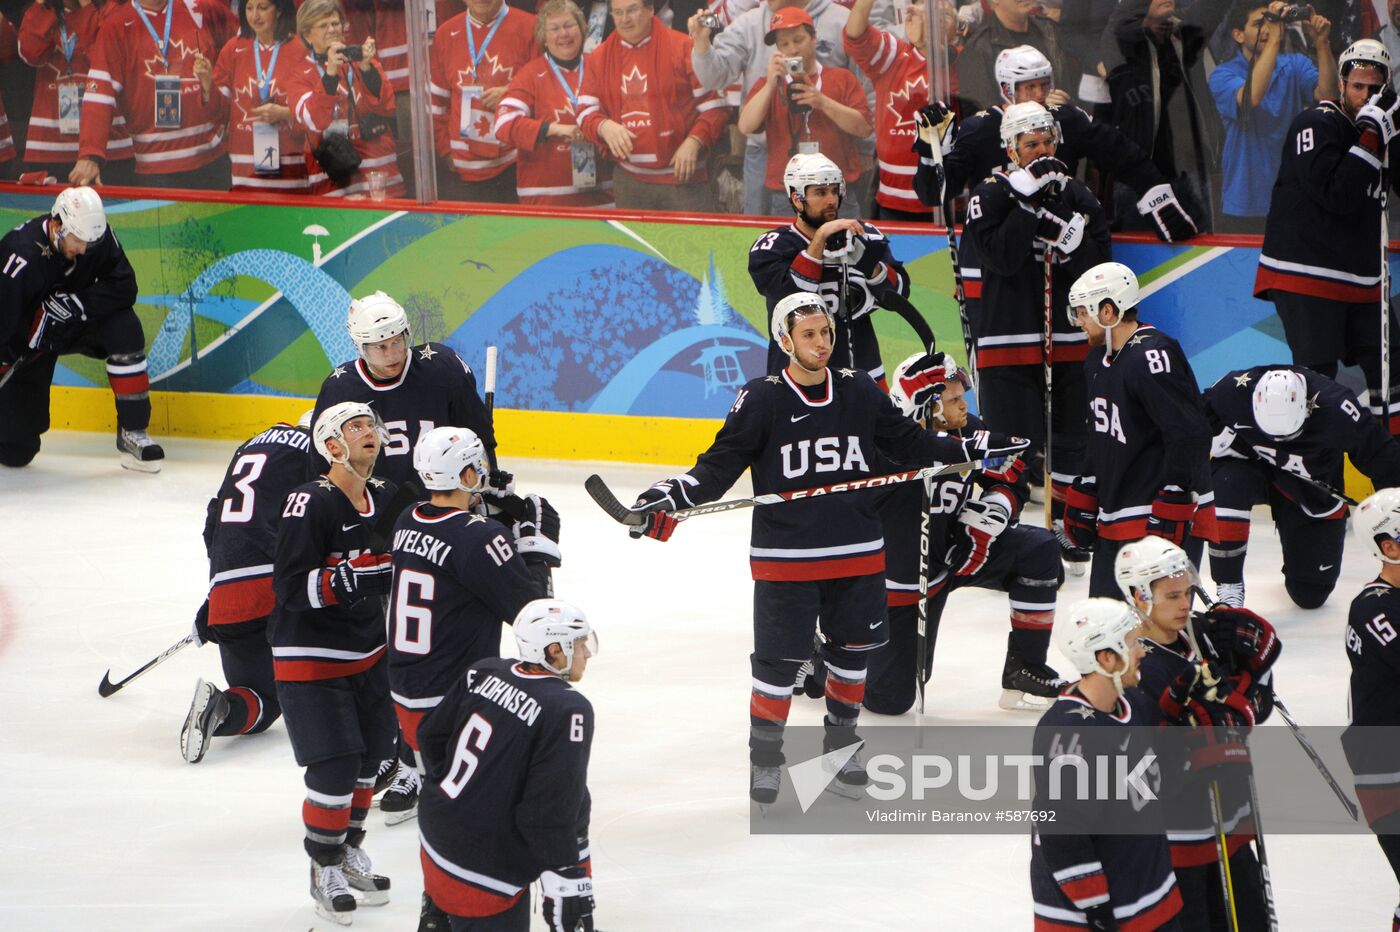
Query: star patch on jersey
(427, 352)
(846, 373)
(325, 483)
(1312, 403)
(1136, 339)
(377, 483)
(337, 372)
(1242, 380)
(45, 251)
(1083, 711)
(771, 378)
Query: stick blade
(106, 687)
(598, 490)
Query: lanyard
(485, 43)
(559, 76)
(69, 44)
(162, 46)
(264, 77)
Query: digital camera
(1293, 13)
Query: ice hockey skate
(138, 451)
(400, 801)
(207, 712)
(430, 918)
(1028, 686)
(331, 891)
(850, 778)
(1231, 594)
(1075, 559)
(359, 873)
(763, 784)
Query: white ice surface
(104, 827)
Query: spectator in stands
(9, 51)
(1389, 34)
(805, 107)
(1080, 31)
(384, 19)
(473, 59)
(555, 164)
(900, 74)
(643, 102)
(1156, 79)
(265, 143)
(1011, 24)
(56, 40)
(143, 69)
(346, 108)
(1258, 92)
(740, 55)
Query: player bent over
(67, 287)
(240, 534)
(506, 797)
(1226, 691)
(820, 557)
(1086, 872)
(327, 637)
(1148, 466)
(1276, 427)
(1374, 697)
(973, 540)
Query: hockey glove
(369, 574)
(1173, 223)
(537, 531)
(1248, 641)
(860, 300)
(1082, 514)
(937, 128)
(1007, 472)
(499, 483)
(657, 502)
(60, 315)
(1172, 511)
(1063, 235)
(1032, 180)
(926, 378)
(1377, 119)
(1100, 918)
(568, 900)
(984, 443)
(981, 523)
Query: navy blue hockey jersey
(1373, 649)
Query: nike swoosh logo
(798, 417)
(875, 625)
(349, 527)
(1325, 567)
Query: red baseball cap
(786, 18)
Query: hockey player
(413, 388)
(1148, 469)
(821, 557)
(1086, 874)
(1029, 206)
(846, 262)
(1280, 430)
(973, 540)
(457, 578)
(1024, 74)
(1321, 260)
(240, 534)
(1228, 688)
(70, 289)
(506, 798)
(1374, 695)
(327, 637)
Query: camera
(794, 67)
(353, 53)
(710, 20)
(1293, 13)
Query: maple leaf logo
(248, 98)
(491, 69)
(565, 115)
(483, 126)
(634, 83)
(177, 54)
(910, 97)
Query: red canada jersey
(471, 144)
(544, 166)
(384, 22)
(236, 83)
(787, 130)
(900, 75)
(651, 89)
(318, 111)
(8, 51)
(122, 80)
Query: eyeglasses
(331, 26)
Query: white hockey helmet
(1141, 563)
(331, 426)
(1028, 117)
(1018, 65)
(1091, 626)
(1107, 281)
(1364, 52)
(793, 308)
(809, 168)
(374, 318)
(1281, 403)
(441, 455)
(901, 389)
(1378, 516)
(551, 621)
(79, 211)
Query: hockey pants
(1011, 399)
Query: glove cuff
(537, 545)
(559, 886)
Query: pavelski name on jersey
(421, 544)
(514, 700)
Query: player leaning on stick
(812, 558)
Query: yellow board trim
(555, 435)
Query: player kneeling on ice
(327, 637)
(506, 796)
(816, 558)
(1223, 692)
(1087, 871)
(973, 539)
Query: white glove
(1064, 235)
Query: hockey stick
(1049, 382)
(1222, 848)
(894, 301)
(1317, 760)
(1270, 907)
(924, 670)
(490, 386)
(107, 687)
(959, 294)
(1385, 295)
(600, 493)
